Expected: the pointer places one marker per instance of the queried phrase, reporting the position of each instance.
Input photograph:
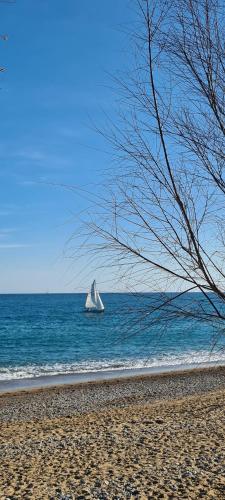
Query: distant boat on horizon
(93, 301)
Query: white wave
(159, 362)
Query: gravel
(86, 397)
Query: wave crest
(157, 362)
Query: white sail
(93, 292)
(93, 300)
(99, 302)
(89, 302)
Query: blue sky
(57, 57)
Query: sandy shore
(151, 437)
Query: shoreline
(85, 397)
(66, 379)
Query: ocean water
(50, 334)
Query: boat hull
(94, 311)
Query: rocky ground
(129, 445)
(82, 398)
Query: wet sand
(147, 437)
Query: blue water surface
(51, 334)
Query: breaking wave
(160, 362)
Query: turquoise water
(51, 334)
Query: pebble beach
(157, 436)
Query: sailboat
(93, 301)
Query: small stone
(159, 421)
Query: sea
(45, 338)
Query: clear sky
(57, 58)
